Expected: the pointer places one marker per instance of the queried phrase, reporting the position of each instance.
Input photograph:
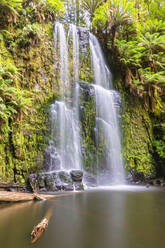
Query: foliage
(137, 137)
(43, 10)
(160, 147)
(13, 101)
(26, 90)
(135, 32)
(9, 10)
(91, 5)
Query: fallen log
(38, 230)
(38, 197)
(41, 227)
(6, 196)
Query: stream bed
(112, 217)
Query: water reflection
(101, 219)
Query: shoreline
(16, 197)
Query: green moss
(137, 136)
(23, 140)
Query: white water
(65, 146)
(64, 118)
(102, 75)
(62, 46)
(65, 133)
(110, 166)
(75, 38)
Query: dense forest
(132, 34)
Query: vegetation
(26, 83)
(134, 34)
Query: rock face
(90, 180)
(57, 181)
(76, 175)
(86, 90)
(51, 158)
(84, 38)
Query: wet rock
(151, 182)
(65, 177)
(137, 175)
(64, 187)
(138, 182)
(157, 182)
(32, 182)
(49, 182)
(84, 38)
(68, 187)
(41, 181)
(90, 180)
(86, 90)
(76, 175)
(42, 190)
(129, 178)
(79, 186)
(51, 158)
(117, 99)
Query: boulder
(65, 177)
(68, 187)
(137, 175)
(32, 182)
(41, 181)
(76, 175)
(49, 182)
(78, 186)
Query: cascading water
(65, 145)
(110, 166)
(75, 39)
(60, 39)
(64, 126)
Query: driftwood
(38, 197)
(38, 230)
(41, 227)
(6, 196)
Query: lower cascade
(64, 164)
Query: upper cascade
(102, 75)
(65, 129)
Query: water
(117, 218)
(110, 166)
(65, 135)
(75, 39)
(62, 46)
(102, 75)
(65, 131)
(65, 145)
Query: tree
(112, 15)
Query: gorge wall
(27, 70)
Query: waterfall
(102, 75)
(65, 132)
(75, 39)
(63, 47)
(65, 147)
(110, 166)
